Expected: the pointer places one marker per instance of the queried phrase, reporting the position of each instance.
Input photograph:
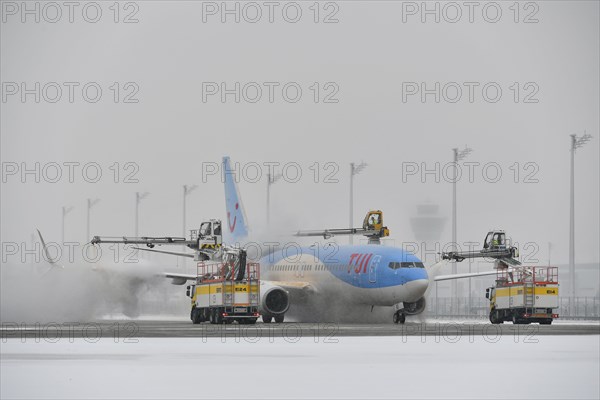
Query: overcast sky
(370, 68)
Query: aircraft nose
(417, 282)
(416, 289)
(420, 286)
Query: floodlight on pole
(138, 198)
(65, 211)
(186, 191)
(576, 142)
(458, 155)
(271, 179)
(354, 170)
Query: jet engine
(415, 308)
(275, 300)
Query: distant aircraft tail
(237, 229)
(53, 263)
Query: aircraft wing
(296, 289)
(459, 276)
(179, 279)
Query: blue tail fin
(237, 231)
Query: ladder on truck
(253, 276)
(250, 279)
(529, 295)
(228, 277)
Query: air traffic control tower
(427, 225)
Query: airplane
(367, 274)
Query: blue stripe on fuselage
(364, 266)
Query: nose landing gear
(399, 317)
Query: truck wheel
(279, 318)
(495, 317)
(267, 319)
(196, 316)
(218, 316)
(251, 321)
(546, 321)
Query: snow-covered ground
(346, 367)
(453, 320)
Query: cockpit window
(205, 229)
(396, 265)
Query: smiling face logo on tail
(236, 217)
(232, 226)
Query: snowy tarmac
(416, 366)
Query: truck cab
(209, 235)
(495, 240)
(489, 293)
(374, 222)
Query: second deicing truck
(524, 295)
(226, 291)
